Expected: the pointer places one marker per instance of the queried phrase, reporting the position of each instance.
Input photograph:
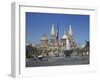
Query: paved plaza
(56, 61)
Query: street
(55, 61)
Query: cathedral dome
(44, 37)
(64, 36)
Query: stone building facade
(55, 46)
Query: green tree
(31, 51)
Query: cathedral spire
(53, 30)
(70, 30)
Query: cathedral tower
(70, 36)
(53, 40)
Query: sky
(38, 24)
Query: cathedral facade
(55, 46)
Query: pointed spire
(53, 30)
(64, 32)
(70, 30)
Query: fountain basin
(68, 53)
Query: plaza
(57, 61)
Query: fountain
(68, 51)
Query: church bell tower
(53, 40)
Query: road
(56, 61)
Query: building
(55, 46)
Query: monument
(68, 51)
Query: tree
(31, 51)
(28, 51)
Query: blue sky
(40, 23)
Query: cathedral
(55, 46)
